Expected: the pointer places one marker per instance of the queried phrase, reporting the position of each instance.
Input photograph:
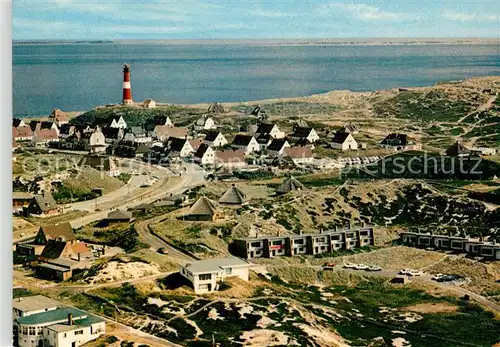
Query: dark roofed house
(43, 205)
(289, 185)
(305, 133)
(137, 134)
(203, 209)
(178, 147)
(53, 232)
(119, 216)
(246, 142)
(351, 129)
(458, 150)
(277, 146)
(259, 111)
(60, 248)
(215, 139)
(112, 134)
(18, 122)
(399, 142)
(233, 196)
(301, 123)
(215, 108)
(205, 155)
(344, 141)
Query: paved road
(193, 177)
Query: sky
(252, 19)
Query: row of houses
(474, 247)
(290, 245)
(41, 321)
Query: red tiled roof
(46, 134)
(167, 131)
(298, 152)
(195, 144)
(230, 156)
(24, 131)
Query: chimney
(127, 89)
(70, 319)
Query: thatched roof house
(288, 185)
(233, 196)
(203, 209)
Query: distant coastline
(279, 42)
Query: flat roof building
(206, 275)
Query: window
(336, 237)
(487, 251)
(32, 330)
(363, 233)
(299, 242)
(455, 244)
(204, 277)
(321, 239)
(277, 243)
(25, 330)
(229, 271)
(79, 332)
(350, 235)
(255, 244)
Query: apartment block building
(291, 245)
(490, 250)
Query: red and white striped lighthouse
(127, 89)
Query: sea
(80, 76)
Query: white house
(149, 103)
(271, 129)
(215, 139)
(277, 146)
(230, 159)
(205, 155)
(97, 141)
(28, 305)
(179, 147)
(306, 133)
(59, 327)
(164, 132)
(344, 141)
(205, 123)
(137, 135)
(299, 155)
(246, 142)
(206, 275)
(118, 123)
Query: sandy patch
(265, 337)
(264, 322)
(400, 342)
(322, 336)
(116, 271)
(214, 315)
(244, 310)
(431, 308)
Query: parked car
(349, 266)
(410, 272)
(374, 268)
(162, 250)
(328, 266)
(361, 267)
